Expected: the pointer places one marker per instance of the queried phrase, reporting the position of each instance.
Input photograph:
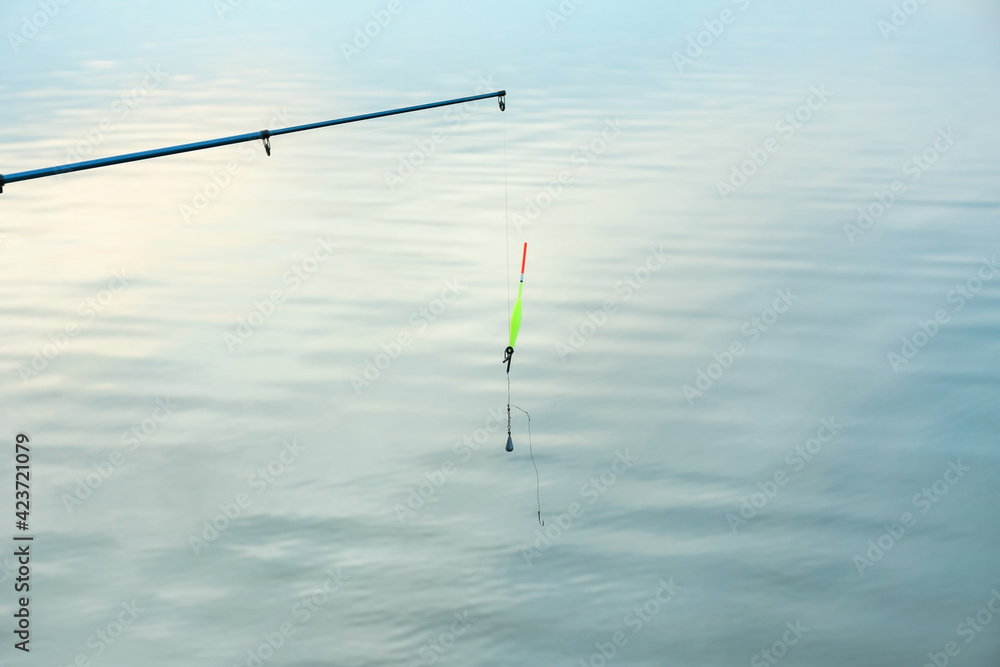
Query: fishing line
(506, 213)
(538, 482)
(506, 222)
(514, 321)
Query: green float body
(515, 318)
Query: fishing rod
(263, 136)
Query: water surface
(226, 364)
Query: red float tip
(524, 257)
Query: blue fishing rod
(263, 136)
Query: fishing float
(515, 328)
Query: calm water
(269, 437)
